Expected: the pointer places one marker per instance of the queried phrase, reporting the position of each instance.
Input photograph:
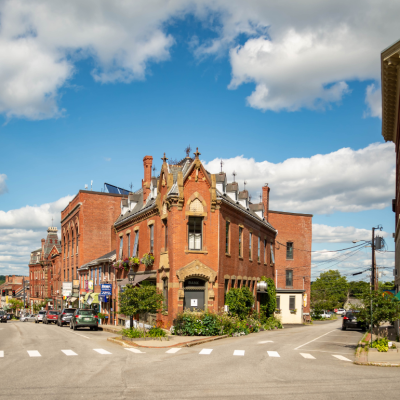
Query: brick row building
(205, 234)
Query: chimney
(265, 200)
(147, 164)
(43, 241)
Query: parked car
(341, 311)
(39, 316)
(326, 314)
(51, 316)
(3, 316)
(65, 316)
(350, 321)
(10, 316)
(85, 318)
(28, 317)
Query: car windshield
(53, 312)
(69, 310)
(86, 312)
(42, 312)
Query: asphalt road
(306, 362)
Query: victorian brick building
(205, 235)
(44, 268)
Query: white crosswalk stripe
(174, 350)
(273, 353)
(135, 351)
(306, 355)
(1, 353)
(69, 353)
(34, 353)
(206, 351)
(341, 358)
(238, 353)
(102, 351)
(266, 341)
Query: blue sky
(203, 81)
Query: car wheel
(74, 327)
(96, 328)
(343, 328)
(70, 325)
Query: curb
(184, 344)
(374, 364)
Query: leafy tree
(383, 308)
(357, 288)
(386, 285)
(38, 306)
(329, 291)
(140, 300)
(268, 301)
(240, 301)
(15, 304)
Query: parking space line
(34, 353)
(102, 351)
(341, 358)
(1, 353)
(265, 341)
(174, 350)
(135, 351)
(69, 353)
(315, 339)
(273, 353)
(308, 356)
(238, 353)
(206, 351)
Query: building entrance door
(194, 294)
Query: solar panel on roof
(114, 189)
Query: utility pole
(23, 282)
(374, 275)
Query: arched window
(72, 246)
(76, 240)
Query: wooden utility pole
(373, 265)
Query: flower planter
(167, 338)
(392, 355)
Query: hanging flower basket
(147, 259)
(127, 263)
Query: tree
(386, 285)
(357, 288)
(140, 300)
(15, 304)
(268, 301)
(329, 291)
(38, 306)
(383, 308)
(240, 301)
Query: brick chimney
(147, 165)
(265, 200)
(43, 242)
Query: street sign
(106, 289)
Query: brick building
(43, 269)
(292, 262)
(11, 287)
(87, 233)
(205, 235)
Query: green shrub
(132, 333)
(240, 301)
(192, 323)
(382, 345)
(268, 300)
(156, 333)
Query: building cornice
(390, 68)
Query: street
(304, 362)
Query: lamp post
(131, 279)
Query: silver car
(39, 317)
(28, 318)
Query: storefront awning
(396, 297)
(72, 299)
(93, 296)
(138, 279)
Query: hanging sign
(106, 289)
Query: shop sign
(75, 284)
(103, 298)
(106, 289)
(90, 285)
(67, 288)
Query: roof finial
(222, 163)
(234, 175)
(188, 150)
(164, 159)
(244, 185)
(196, 154)
(260, 198)
(52, 221)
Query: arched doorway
(194, 297)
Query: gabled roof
(109, 257)
(232, 187)
(221, 177)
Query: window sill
(289, 259)
(196, 251)
(250, 259)
(227, 254)
(240, 258)
(163, 252)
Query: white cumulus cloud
(341, 234)
(345, 180)
(373, 99)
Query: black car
(3, 316)
(65, 316)
(350, 321)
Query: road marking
(323, 351)
(1, 353)
(81, 335)
(34, 353)
(315, 339)
(206, 351)
(341, 358)
(238, 353)
(102, 351)
(174, 350)
(135, 351)
(266, 341)
(273, 353)
(69, 353)
(306, 355)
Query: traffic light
(3, 293)
(13, 293)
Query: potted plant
(134, 261)
(293, 311)
(147, 259)
(277, 311)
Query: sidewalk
(110, 328)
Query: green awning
(396, 297)
(93, 296)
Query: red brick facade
(296, 229)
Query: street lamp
(131, 276)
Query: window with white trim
(195, 227)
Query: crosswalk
(174, 350)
